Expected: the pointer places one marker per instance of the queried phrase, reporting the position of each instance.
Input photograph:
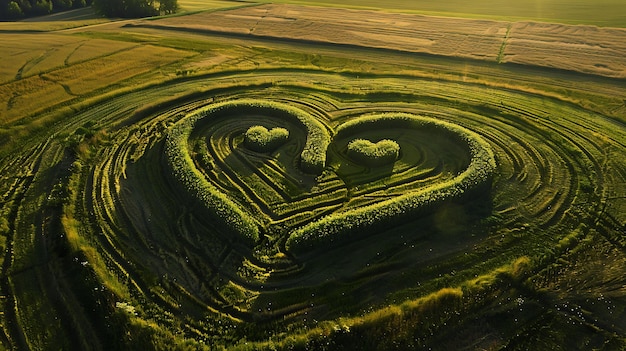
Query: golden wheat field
(52, 68)
(478, 39)
(26, 54)
(587, 49)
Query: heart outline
(337, 226)
(354, 222)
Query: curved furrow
(558, 182)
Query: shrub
(259, 139)
(42, 7)
(373, 154)
(14, 10)
(126, 9)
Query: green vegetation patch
(260, 139)
(194, 183)
(374, 154)
(100, 251)
(359, 221)
(233, 216)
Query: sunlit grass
(169, 279)
(48, 26)
(609, 13)
(203, 5)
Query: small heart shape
(373, 154)
(260, 139)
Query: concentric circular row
(556, 172)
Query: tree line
(135, 8)
(16, 9)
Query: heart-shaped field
(312, 189)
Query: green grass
(193, 183)
(127, 262)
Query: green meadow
(285, 177)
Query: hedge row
(347, 225)
(312, 158)
(194, 183)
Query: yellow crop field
(200, 5)
(22, 56)
(586, 49)
(40, 24)
(25, 55)
(16, 98)
(479, 39)
(85, 77)
(47, 72)
(90, 49)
